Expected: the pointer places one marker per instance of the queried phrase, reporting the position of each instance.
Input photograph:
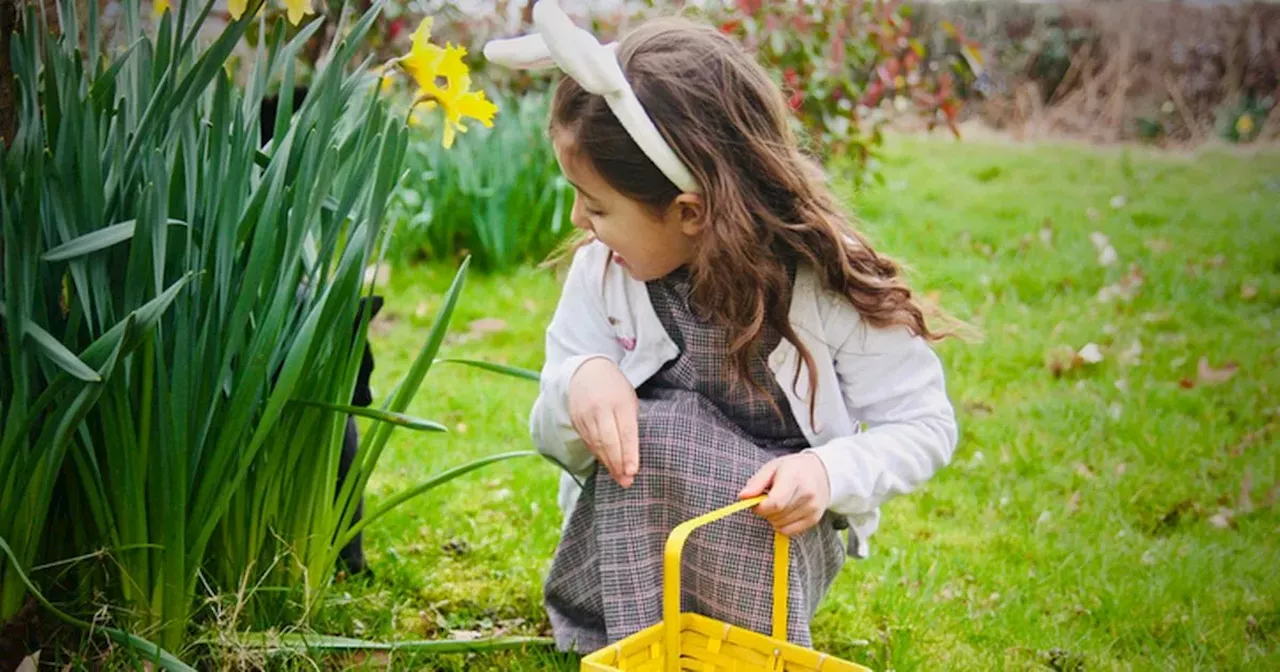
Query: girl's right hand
(604, 411)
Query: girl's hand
(604, 411)
(799, 492)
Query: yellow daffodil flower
(159, 6)
(428, 64)
(298, 9)
(236, 8)
(1244, 125)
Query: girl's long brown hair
(768, 205)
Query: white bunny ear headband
(595, 67)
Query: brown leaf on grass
(1106, 253)
(1158, 245)
(371, 659)
(1244, 503)
(1207, 375)
(1064, 358)
(1119, 469)
(488, 325)
(1186, 383)
(1273, 496)
(1248, 292)
(977, 408)
(1084, 470)
(1132, 354)
(1126, 289)
(1073, 504)
(1223, 519)
(1046, 233)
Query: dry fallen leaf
(1207, 375)
(1106, 253)
(1132, 354)
(1073, 504)
(1158, 245)
(29, 664)
(1090, 353)
(379, 275)
(488, 325)
(1251, 438)
(1223, 519)
(1125, 289)
(1119, 469)
(1248, 292)
(1245, 502)
(1273, 496)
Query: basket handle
(671, 577)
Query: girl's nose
(578, 216)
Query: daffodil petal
(297, 9)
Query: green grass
(1075, 528)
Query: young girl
(725, 333)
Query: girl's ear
(688, 211)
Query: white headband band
(594, 67)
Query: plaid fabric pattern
(701, 438)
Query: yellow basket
(693, 642)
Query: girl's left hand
(799, 492)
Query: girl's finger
(759, 484)
(781, 494)
(792, 516)
(609, 446)
(629, 444)
(799, 527)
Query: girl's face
(648, 246)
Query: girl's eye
(595, 213)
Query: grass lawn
(1117, 514)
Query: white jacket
(887, 431)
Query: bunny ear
(595, 67)
(528, 52)
(522, 53)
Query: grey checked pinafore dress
(701, 438)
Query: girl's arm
(579, 331)
(893, 383)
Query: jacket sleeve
(892, 382)
(579, 331)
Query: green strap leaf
(305, 642)
(97, 240)
(425, 486)
(56, 351)
(513, 371)
(398, 419)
